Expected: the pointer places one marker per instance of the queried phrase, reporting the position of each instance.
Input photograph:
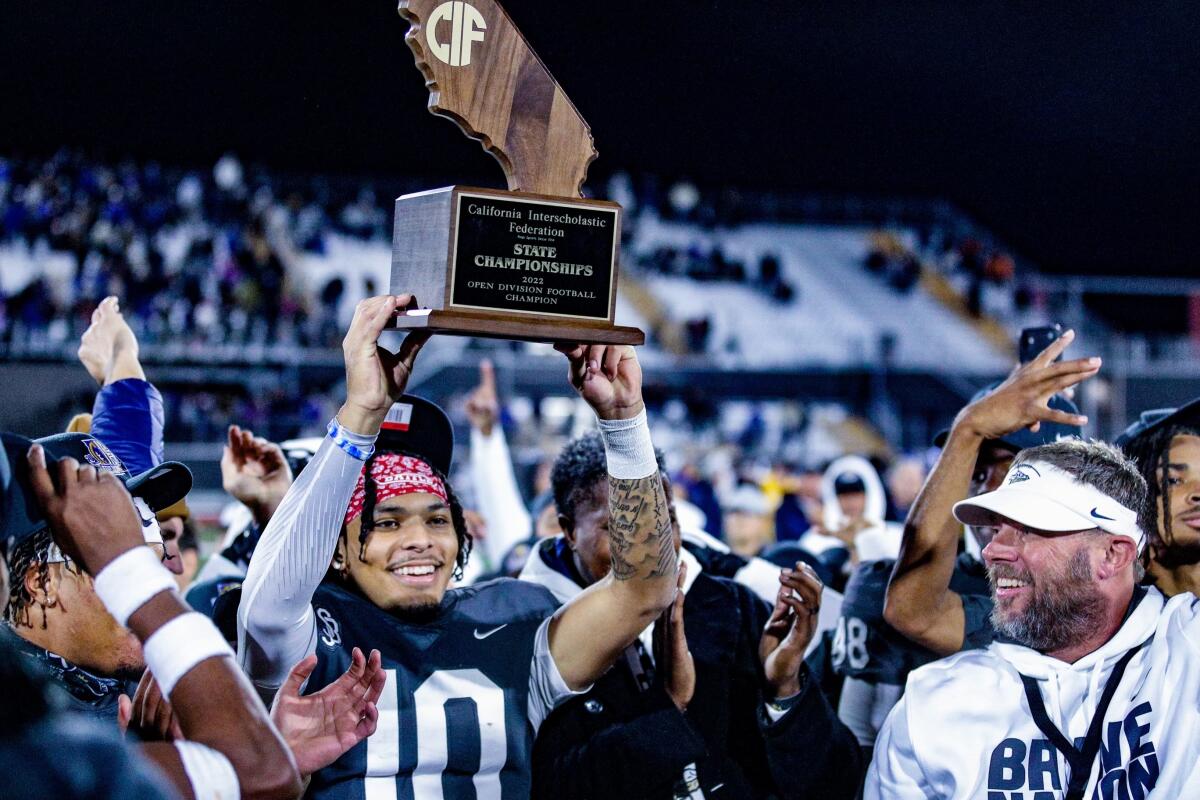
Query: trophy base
(495, 327)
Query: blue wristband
(339, 438)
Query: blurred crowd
(201, 256)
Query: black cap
(1159, 418)
(415, 425)
(159, 486)
(848, 483)
(1018, 440)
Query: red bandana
(395, 474)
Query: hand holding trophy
(536, 262)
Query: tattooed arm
(589, 633)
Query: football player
(362, 550)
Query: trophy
(537, 262)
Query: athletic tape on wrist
(130, 580)
(180, 645)
(628, 448)
(209, 771)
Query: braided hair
(1152, 455)
(465, 540)
(31, 553)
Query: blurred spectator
(749, 524)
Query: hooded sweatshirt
(880, 539)
(965, 729)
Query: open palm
(320, 727)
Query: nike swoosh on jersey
(479, 635)
(1098, 515)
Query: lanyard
(1080, 760)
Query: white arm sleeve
(895, 773)
(496, 494)
(275, 619)
(209, 771)
(547, 689)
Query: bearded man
(1092, 685)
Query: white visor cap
(1043, 497)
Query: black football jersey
(865, 646)
(455, 714)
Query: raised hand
(91, 514)
(375, 376)
(108, 349)
(1022, 401)
(790, 629)
(482, 406)
(320, 727)
(608, 377)
(255, 472)
(671, 652)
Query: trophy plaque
(537, 262)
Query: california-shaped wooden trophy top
(482, 73)
(537, 262)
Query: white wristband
(130, 580)
(181, 644)
(209, 771)
(628, 447)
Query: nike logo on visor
(479, 635)
(1098, 515)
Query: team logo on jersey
(1021, 473)
(331, 632)
(1021, 770)
(100, 457)
(466, 27)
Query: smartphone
(1035, 340)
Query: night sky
(1072, 134)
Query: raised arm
(497, 497)
(127, 414)
(920, 603)
(588, 634)
(275, 619)
(231, 749)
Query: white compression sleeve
(275, 620)
(497, 495)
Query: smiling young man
(1092, 688)
(471, 672)
(1165, 445)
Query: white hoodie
(964, 729)
(880, 539)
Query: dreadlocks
(456, 513)
(32, 553)
(1151, 454)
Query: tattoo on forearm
(639, 530)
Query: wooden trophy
(537, 262)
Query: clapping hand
(321, 726)
(790, 629)
(671, 652)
